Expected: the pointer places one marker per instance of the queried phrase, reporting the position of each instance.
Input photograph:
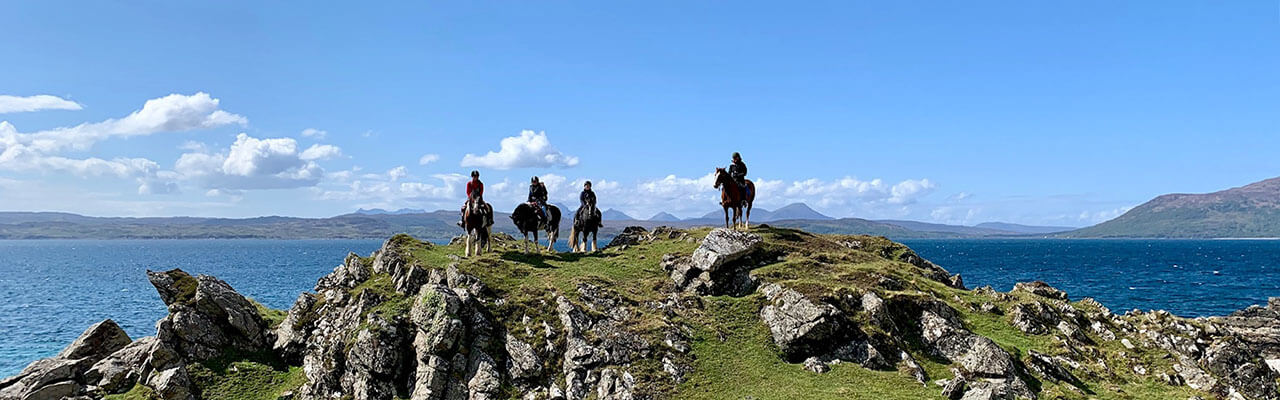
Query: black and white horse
(477, 225)
(525, 218)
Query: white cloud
(314, 133)
(529, 150)
(428, 158)
(252, 163)
(16, 104)
(41, 151)
(321, 152)
(397, 173)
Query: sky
(1048, 113)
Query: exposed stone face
(67, 374)
(444, 341)
(1039, 288)
(799, 327)
(207, 317)
(711, 268)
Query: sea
(51, 290)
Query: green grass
(138, 392)
(733, 355)
(736, 359)
(273, 316)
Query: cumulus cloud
(42, 150)
(253, 163)
(848, 190)
(321, 152)
(17, 104)
(393, 189)
(314, 133)
(529, 150)
(428, 158)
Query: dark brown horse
(586, 222)
(731, 196)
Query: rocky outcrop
(714, 267)
(207, 317)
(799, 327)
(69, 373)
(1039, 288)
(387, 326)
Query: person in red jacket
(475, 196)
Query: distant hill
(944, 228)
(1251, 211)
(435, 225)
(664, 217)
(1024, 229)
(615, 215)
(790, 211)
(797, 211)
(379, 211)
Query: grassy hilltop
(730, 352)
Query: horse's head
(720, 174)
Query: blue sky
(1061, 113)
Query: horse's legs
(747, 220)
(726, 217)
(593, 241)
(467, 251)
(551, 242)
(573, 239)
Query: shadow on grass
(539, 259)
(223, 362)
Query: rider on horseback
(588, 200)
(475, 196)
(538, 198)
(738, 171)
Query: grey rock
(98, 341)
(1039, 288)
(207, 317)
(799, 327)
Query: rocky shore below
(667, 313)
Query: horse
(731, 196)
(587, 222)
(476, 226)
(525, 218)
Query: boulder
(207, 317)
(800, 327)
(630, 236)
(98, 341)
(710, 269)
(722, 246)
(1039, 288)
(64, 375)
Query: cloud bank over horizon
(209, 179)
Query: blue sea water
(1190, 278)
(51, 290)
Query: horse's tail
(750, 195)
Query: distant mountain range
(437, 225)
(790, 211)
(664, 217)
(615, 215)
(1251, 211)
(379, 211)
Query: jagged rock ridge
(414, 321)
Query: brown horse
(731, 196)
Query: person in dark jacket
(538, 197)
(588, 200)
(738, 171)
